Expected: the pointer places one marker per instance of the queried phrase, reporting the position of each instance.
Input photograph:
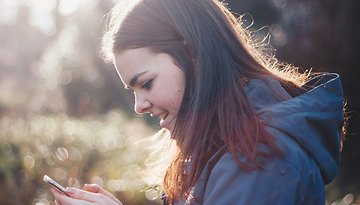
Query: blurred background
(64, 112)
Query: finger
(89, 196)
(65, 200)
(98, 189)
(92, 188)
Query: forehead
(132, 58)
(132, 61)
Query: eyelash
(147, 85)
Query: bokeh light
(64, 113)
(62, 153)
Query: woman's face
(158, 84)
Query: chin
(170, 129)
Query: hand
(92, 194)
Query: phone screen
(54, 184)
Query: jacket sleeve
(278, 183)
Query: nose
(142, 105)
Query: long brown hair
(218, 58)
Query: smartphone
(54, 184)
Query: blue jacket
(307, 129)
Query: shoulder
(275, 170)
(294, 175)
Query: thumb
(92, 188)
(98, 189)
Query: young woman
(248, 129)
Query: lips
(166, 114)
(163, 121)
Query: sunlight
(8, 10)
(68, 7)
(41, 5)
(41, 15)
(41, 12)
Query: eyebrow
(135, 78)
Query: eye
(147, 85)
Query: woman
(248, 129)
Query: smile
(165, 116)
(163, 121)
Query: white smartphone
(54, 184)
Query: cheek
(180, 92)
(173, 92)
(172, 99)
(178, 98)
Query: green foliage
(100, 149)
(53, 85)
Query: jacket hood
(314, 119)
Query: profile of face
(157, 82)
